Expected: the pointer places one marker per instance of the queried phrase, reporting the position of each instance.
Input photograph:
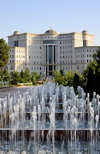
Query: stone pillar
(56, 56)
(47, 54)
(47, 60)
(52, 58)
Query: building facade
(50, 51)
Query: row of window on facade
(20, 56)
(65, 57)
(64, 62)
(36, 68)
(66, 67)
(70, 67)
(60, 37)
(82, 61)
(65, 52)
(11, 61)
(63, 47)
(21, 66)
(64, 42)
(18, 61)
(88, 55)
(34, 53)
(79, 67)
(20, 51)
(78, 56)
(34, 57)
(11, 56)
(35, 47)
(88, 50)
(11, 51)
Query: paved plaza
(13, 90)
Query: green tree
(96, 57)
(69, 78)
(33, 80)
(90, 80)
(22, 80)
(61, 72)
(1, 75)
(58, 77)
(27, 75)
(76, 81)
(92, 75)
(36, 75)
(6, 75)
(56, 74)
(4, 53)
(15, 78)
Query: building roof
(51, 31)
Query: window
(12, 67)
(16, 43)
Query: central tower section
(50, 55)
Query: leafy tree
(22, 80)
(1, 75)
(33, 80)
(6, 75)
(69, 78)
(56, 74)
(96, 57)
(92, 75)
(4, 53)
(15, 78)
(62, 72)
(58, 77)
(36, 75)
(27, 75)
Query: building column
(52, 58)
(56, 56)
(47, 54)
(44, 54)
(47, 60)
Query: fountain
(50, 119)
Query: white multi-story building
(50, 51)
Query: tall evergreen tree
(4, 53)
(76, 81)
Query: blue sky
(36, 16)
